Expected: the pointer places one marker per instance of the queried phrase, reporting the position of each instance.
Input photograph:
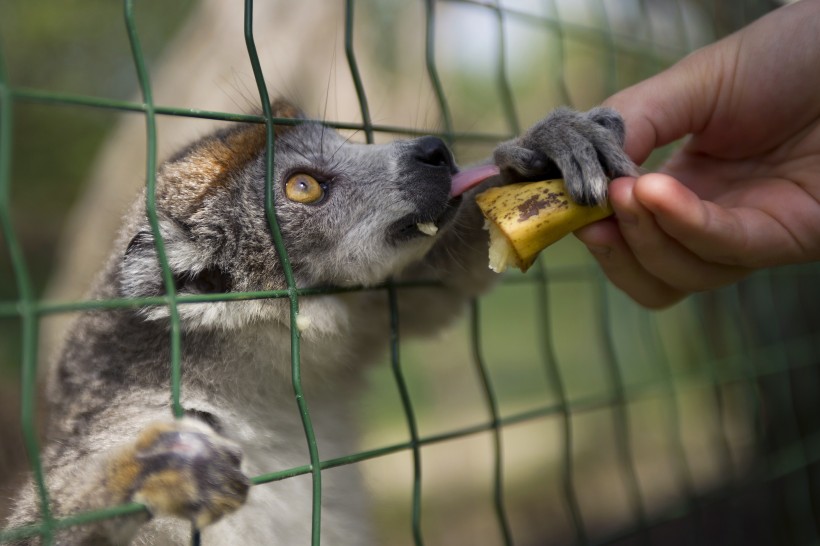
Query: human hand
(744, 191)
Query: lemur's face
(354, 213)
(350, 214)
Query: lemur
(349, 215)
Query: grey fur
(109, 390)
(586, 148)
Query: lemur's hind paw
(583, 148)
(182, 469)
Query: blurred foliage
(72, 47)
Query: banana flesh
(523, 219)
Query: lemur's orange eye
(303, 188)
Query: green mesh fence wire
(766, 368)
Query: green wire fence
(756, 366)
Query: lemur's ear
(142, 275)
(139, 243)
(211, 280)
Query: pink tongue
(465, 180)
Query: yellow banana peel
(523, 219)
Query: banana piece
(523, 219)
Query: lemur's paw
(181, 469)
(583, 148)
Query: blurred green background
(73, 47)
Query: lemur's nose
(430, 150)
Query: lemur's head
(350, 214)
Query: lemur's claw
(585, 149)
(181, 469)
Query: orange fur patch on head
(210, 164)
(222, 157)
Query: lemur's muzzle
(433, 152)
(428, 168)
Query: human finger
(659, 253)
(710, 93)
(750, 237)
(670, 105)
(607, 246)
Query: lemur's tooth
(428, 228)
